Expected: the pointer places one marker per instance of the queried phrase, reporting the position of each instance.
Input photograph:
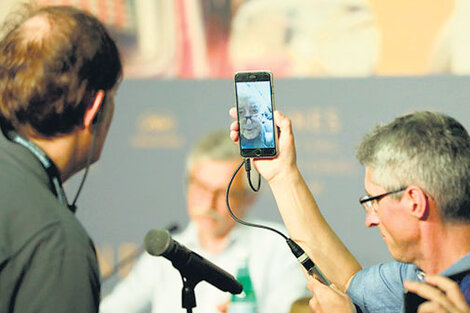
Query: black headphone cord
(73, 206)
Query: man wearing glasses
(252, 124)
(212, 233)
(417, 177)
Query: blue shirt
(379, 288)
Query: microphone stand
(190, 280)
(187, 293)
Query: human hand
(285, 162)
(328, 298)
(443, 294)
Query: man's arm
(299, 211)
(284, 281)
(307, 227)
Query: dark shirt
(379, 288)
(47, 260)
(464, 285)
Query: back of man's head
(214, 146)
(427, 149)
(53, 60)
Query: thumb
(314, 284)
(334, 287)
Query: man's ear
(92, 112)
(419, 202)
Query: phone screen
(255, 114)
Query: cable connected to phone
(238, 220)
(298, 252)
(248, 170)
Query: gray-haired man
(417, 180)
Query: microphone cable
(248, 170)
(247, 164)
(298, 252)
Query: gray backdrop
(138, 183)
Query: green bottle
(245, 302)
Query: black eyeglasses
(369, 202)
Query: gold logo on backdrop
(328, 166)
(155, 130)
(156, 123)
(316, 120)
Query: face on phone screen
(255, 114)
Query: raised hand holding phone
(267, 161)
(285, 161)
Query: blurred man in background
(212, 233)
(59, 71)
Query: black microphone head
(157, 241)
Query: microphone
(306, 262)
(158, 242)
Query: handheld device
(255, 107)
(412, 301)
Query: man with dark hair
(417, 180)
(59, 72)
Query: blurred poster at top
(192, 39)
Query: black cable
(298, 252)
(230, 210)
(88, 163)
(248, 170)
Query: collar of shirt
(460, 266)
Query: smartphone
(255, 107)
(412, 301)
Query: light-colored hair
(256, 101)
(427, 149)
(214, 146)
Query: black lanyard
(47, 164)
